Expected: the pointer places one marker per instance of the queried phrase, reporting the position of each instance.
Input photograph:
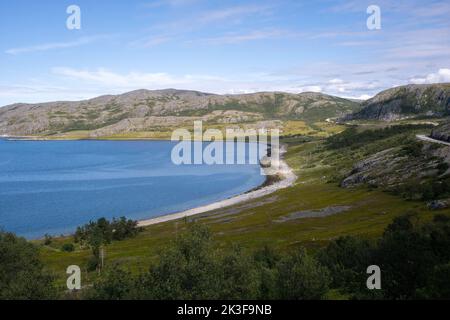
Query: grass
(253, 224)
(288, 128)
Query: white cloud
(150, 41)
(232, 13)
(361, 97)
(171, 3)
(336, 81)
(35, 93)
(132, 79)
(244, 37)
(433, 10)
(76, 84)
(443, 75)
(310, 89)
(224, 16)
(57, 45)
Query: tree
(301, 277)
(101, 233)
(347, 258)
(22, 276)
(114, 284)
(240, 276)
(266, 260)
(405, 257)
(189, 269)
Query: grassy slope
(253, 224)
(289, 127)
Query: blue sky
(224, 46)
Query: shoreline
(284, 178)
(288, 178)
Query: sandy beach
(286, 174)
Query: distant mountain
(406, 101)
(145, 110)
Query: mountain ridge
(406, 101)
(146, 110)
(174, 106)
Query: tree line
(414, 258)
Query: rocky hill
(442, 132)
(394, 160)
(143, 110)
(406, 101)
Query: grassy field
(287, 128)
(259, 222)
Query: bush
(347, 258)
(68, 247)
(352, 138)
(194, 268)
(48, 240)
(114, 284)
(412, 148)
(93, 263)
(104, 232)
(301, 277)
(22, 276)
(413, 259)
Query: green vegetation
(406, 167)
(413, 257)
(22, 274)
(68, 247)
(104, 231)
(95, 235)
(354, 138)
(329, 254)
(413, 254)
(254, 224)
(193, 267)
(431, 189)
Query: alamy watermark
(238, 146)
(74, 279)
(73, 22)
(374, 281)
(374, 20)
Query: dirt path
(428, 139)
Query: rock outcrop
(406, 101)
(442, 132)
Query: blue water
(53, 187)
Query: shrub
(68, 247)
(301, 277)
(352, 138)
(48, 239)
(22, 276)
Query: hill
(431, 100)
(144, 110)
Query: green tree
(114, 284)
(347, 258)
(404, 257)
(22, 275)
(301, 277)
(187, 270)
(240, 276)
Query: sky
(219, 46)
